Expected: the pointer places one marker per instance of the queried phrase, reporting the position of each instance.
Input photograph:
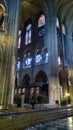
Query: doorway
(42, 92)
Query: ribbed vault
(64, 8)
(65, 11)
(28, 10)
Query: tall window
(64, 43)
(41, 24)
(59, 40)
(63, 28)
(27, 61)
(45, 55)
(57, 23)
(28, 34)
(41, 21)
(19, 39)
(38, 57)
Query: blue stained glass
(28, 35)
(41, 58)
(38, 59)
(18, 64)
(45, 57)
(27, 62)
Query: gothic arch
(41, 77)
(25, 80)
(42, 87)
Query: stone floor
(59, 124)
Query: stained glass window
(38, 59)
(46, 58)
(45, 55)
(28, 35)
(19, 39)
(18, 64)
(59, 60)
(63, 28)
(41, 25)
(27, 62)
(41, 21)
(57, 22)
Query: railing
(22, 120)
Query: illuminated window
(38, 59)
(57, 22)
(27, 62)
(41, 24)
(28, 35)
(46, 58)
(59, 60)
(45, 55)
(41, 21)
(19, 39)
(63, 28)
(18, 64)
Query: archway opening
(26, 88)
(26, 80)
(41, 82)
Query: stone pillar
(69, 49)
(50, 41)
(14, 8)
(54, 90)
(22, 100)
(8, 45)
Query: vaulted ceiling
(29, 8)
(65, 11)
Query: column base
(54, 91)
(2, 107)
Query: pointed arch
(25, 80)
(41, 77)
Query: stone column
(50, 41)
(70, 59)
(22, 100)
(14, 9)
(8, 41)
(54, 90)
(69, 49)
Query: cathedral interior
(36, 51)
